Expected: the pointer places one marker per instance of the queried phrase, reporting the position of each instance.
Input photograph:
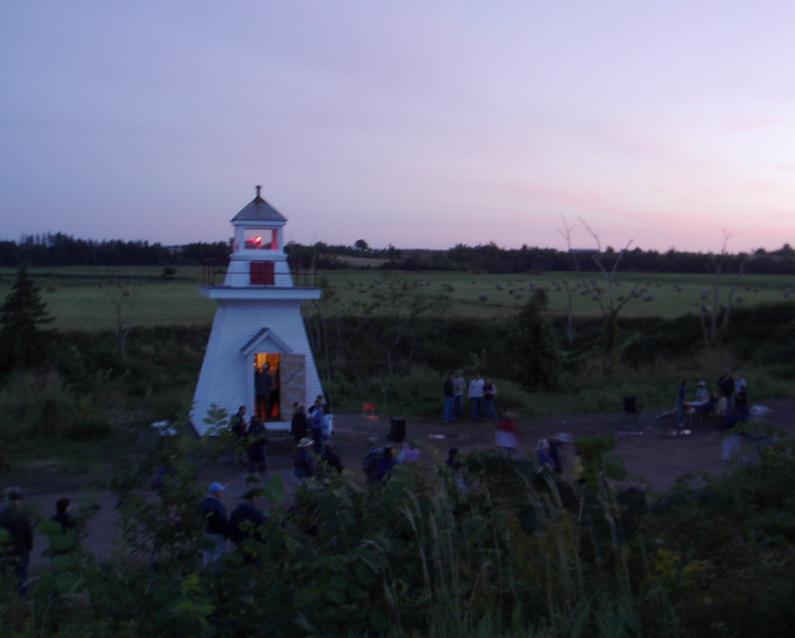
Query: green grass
(80, 297)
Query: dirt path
(651, 452)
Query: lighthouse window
(261, 273)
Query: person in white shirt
(476, 396)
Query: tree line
(491, 258)
(59, 249)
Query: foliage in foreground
(501, 550)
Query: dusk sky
(421, 124)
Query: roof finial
(258, 187)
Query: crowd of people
(726, 404)
(482, 395)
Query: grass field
(81, 298)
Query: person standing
(263, 385)
(15, 553)
(299, 427)
(681, 396)
(385, 464)
(452, 461)
(740, 396)
(239, 427)
(303, 463)
(69, 539)
(476, 396)
(216, 527)
(257, 461)
(506, 433)
(448, 393)
(316, 419)
(459, 386)
(62, 515)
(247, 521)
(726, 386)
(330, 457)
(489, 399)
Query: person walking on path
(448, 392)
(15, 551)
(476, 396)
(216, 529)
(459, 386)
(489, 399)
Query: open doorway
(267, 386)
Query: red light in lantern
(258, 240)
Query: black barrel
(397, 429)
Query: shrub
(38, 405)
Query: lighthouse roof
(258, 210)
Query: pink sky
(412, 123)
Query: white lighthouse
(258, 355)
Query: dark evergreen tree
(21, 318)
(536, 361)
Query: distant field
(80, 297)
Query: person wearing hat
(15, 552)
(247, 521)
(216, 529)
(303, 463)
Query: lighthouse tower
(258, 355)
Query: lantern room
(258, 257)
